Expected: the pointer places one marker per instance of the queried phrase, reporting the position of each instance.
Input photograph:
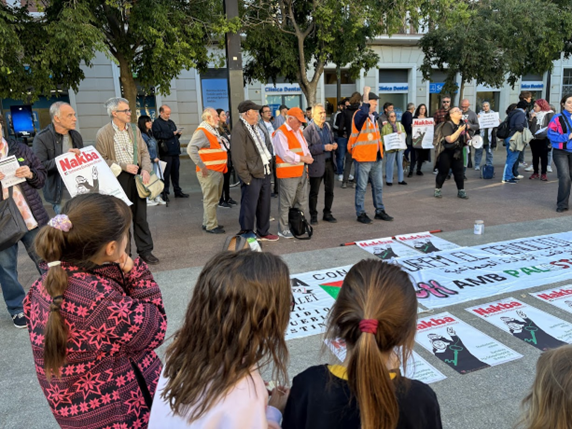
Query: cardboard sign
(394, 141)
(488, 120)
(560, 297)
(529, 324)
(88, 173)
(422, 133)
(386, 248)
(462, 347)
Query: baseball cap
(297, 113)
(247, 105)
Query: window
(393, 76)
(567, 82)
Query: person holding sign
(489, 139)
(540, 145)
(393, 127)
(450, 152)
(421, 154)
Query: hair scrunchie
(61, 222)
(368, 326)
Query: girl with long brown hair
(94, 318)
(376, 315)
(234, 327)
(549, 403)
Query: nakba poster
(527, 323)
(560, 297)
(386, 248)
(422, 133)
(314, 294)
(425, 242)
(88, 173)
(454, 276)
(417, 367)
(462, 347)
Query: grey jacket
(47, 146)
(316, 147)
(245, 156)
(473, 121)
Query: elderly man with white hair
(252, 160)
(209, 154)
(116, 143)
(57, 138)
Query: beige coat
(105, 145)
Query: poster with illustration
(422, 133)
(88, 173)
(425, 242)
(386, 248)
(459, 345)
(560, 297)
(529, 324)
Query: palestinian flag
(333, 289)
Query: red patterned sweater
(115, 321)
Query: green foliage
(491, 41)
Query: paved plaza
(488, 398)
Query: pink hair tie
(61, 222)
(368, 326)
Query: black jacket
(47, 146)
(348, 115)
(163, 131)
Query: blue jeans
(57, 208)
(341, 154)
(511, 158)
(563, 163)
(479, 156)
(365, 172)
(11, 288)
(390, 158)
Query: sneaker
(151, 203)
(232, 202)
(344, 185)
(285, 234)
(160, 201)
(522, 164)
(224, 205)
(529, 169)
(381, 215)
(269, 237)
(20, 321)
(403, 182)
(462, 194)
(477, 168)
(420, 173)
(544, 178)
(535, 176)
(329, 218)
(314, 220)
(363, 218)
(351, 177)
(205, 228)
(410, 174)
(389, 183)
(520, 176)
(549, 169)
(217, 230)
(435, 171)
(511, 181)
(181, 195)
(340, 177)
(438, 193)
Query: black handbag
(12, 225)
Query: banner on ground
(386, 248)
(417, 367)
(422, 133)
(488, 120)
(529, 324)
(425, 242)
(88, 173)
(560, 297)
(462, 347)
(394, 141)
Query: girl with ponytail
(94, 318)
(376, 315)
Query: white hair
(113, 103)
(207, 113)
(55, 109)
(317, 105)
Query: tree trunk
(129, 87)
(309, 91)
(462, 91)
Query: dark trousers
(275, 191)
(255, 203)
(172, 173)
(445, 163)
(563, 162)
(348, 167)
(141, 231)
(225, 196)
(539, 150)
(315, 183)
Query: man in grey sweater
(472, 121)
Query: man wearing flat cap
(366, 148)
(292, 155)
(252, 160)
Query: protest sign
(88, 173)
(425, 242)
(422, 133)
(560, 297)
(8, 167)
(462, 347)
(488, 120)
(417, 368)
(394, 141)
(529, 324)
(386, 248)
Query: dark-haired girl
(376, 315)
(95, 318)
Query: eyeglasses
(124, 111)
(266, 111)
(446, 102)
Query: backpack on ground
(299, 226)
(487, 172)
(235, 243)
(503, 131)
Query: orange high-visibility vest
(363, 145)
(285, 170)
(215, 158)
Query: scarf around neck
(260, 146)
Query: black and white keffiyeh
(260, 146)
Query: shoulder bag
(12, 225)
(155, 185)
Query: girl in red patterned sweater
(94, 318)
